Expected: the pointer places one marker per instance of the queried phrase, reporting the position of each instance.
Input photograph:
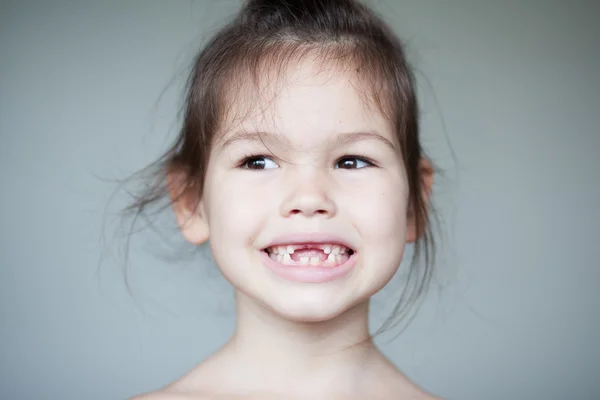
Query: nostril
(322, 212)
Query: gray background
(510, 94)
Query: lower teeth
(332, 260)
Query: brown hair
(264, 36)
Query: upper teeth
(290, 249)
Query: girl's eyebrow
(262, 137)
(352, 137)
(344, 138)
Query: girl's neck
(269, 352)
(262, 333)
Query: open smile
(309, 262)
(317, 254)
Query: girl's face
(312, 171)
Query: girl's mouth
(310, 254)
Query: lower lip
(309, 273)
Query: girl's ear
(426, 174)
(189, 211)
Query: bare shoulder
(415, 395)
(164, 395)
(427, 396)
(392, 383)
(196, 384)
(170, 395)
(404, 394)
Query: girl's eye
(352, 162)
(259, 162)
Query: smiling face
(305, 198)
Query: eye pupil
(353, 162)
(349, 163)
(256, 163)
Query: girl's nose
(309, 197)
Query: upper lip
(310, 238)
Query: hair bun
(297, 6)
(274, 14)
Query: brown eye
(353, 163)
(258, 162)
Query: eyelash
(253, 157)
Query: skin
(298, 340)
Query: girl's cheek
(381, 209)
(236, 202)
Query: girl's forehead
(307, 97)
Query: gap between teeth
(290, 249)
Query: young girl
(299, 161)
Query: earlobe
(193, 225)
(426, 172)
(189, 212)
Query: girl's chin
(300, 306)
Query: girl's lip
(309, 273)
